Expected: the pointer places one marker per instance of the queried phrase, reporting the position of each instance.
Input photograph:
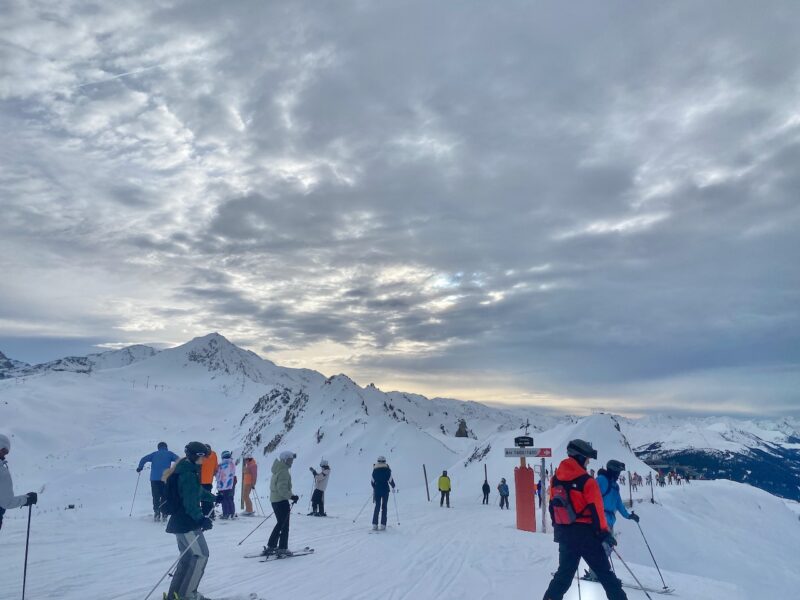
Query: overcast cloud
(591, 205)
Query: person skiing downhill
(486, 489)
(7, 498)
(381, 481)
(444, 489)
(183, 497)
(280, 492)
(160, 460)
(320, 485)
(579, 524)
(502, 489)
(226, 484)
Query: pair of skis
(270, 557)
(633, 586)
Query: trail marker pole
(427, 489)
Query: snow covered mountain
(80, 432)
(256, 406)
(763, 453)
(9, 367)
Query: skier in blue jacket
(607, 480)
(609, 488)
(160, 461)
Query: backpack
(562, 511)
(172, 498)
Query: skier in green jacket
(187, 521)
(280, 492)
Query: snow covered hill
(763, 453)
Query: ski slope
(81, 434)
(467, 551)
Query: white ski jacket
(7, 497)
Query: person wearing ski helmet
(381, 482)
(160, 460)
(280, 492)
(579, 524)
(207, 472)
(608, 482)
(226, 484)
(320, 485)
(444, 489)
(502, 489)
(187, 522)
(7, 498)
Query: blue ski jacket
(382, 479)
(612, 500)
(160, 461)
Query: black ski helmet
(581, 448)
(615, 466)
(194, 450)
(162, 446)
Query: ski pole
(651, 555)
(260, 506)
(577, 578)
(256, 527)
(136, 489)
(27, 542)
(636, 579)
(362, 508)
(396, 512)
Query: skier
(207, 472)
(444, 489)
(226, 484)
(160, 461)
(502, 488)
(381, 480)
(250, 476)
(579, 524)
(320, 484)
(612, 499)
(183, 496)
(485, 488)
(280, 492)
(7, 497)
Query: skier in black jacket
(486, 489)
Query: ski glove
(33, 498)
(205, 524)
(139, 470)
(295, 499)
(218, 499)
(634, 517)
(608, 539)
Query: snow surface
(81, 434)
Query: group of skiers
(583, 511)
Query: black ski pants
(381, 504)
(318, 502)
(445, 497)
(576, 542)
(279, 538)
(158, 489)
(503, 501)
(486, 497)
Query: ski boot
(374, 528)
(283, 553)
(383, 528)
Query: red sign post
(526, 486)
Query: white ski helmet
(287, 456)
(381, 459)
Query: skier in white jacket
(320, 484)
(7, 497)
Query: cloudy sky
(586, 206)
